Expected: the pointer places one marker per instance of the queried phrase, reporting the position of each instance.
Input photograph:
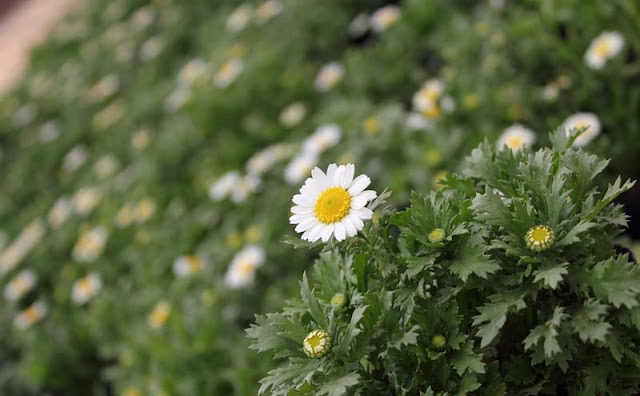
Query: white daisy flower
(25, 114)
(228, 73)
(516, 137)
(329, 76)
(49, 131)
(293, 114)
(602, 48)
(177, 99)
(448, 104)
(267, 10)
(86, 288)
(300, 167)
(224, 185)
(243, 267)
(192, 71)
(125, 216)
(426, 99)
(580, 121)
(59, 212)
(332, 204)
(20, 285)
(108, 116)
(247, 185)
(141, 139)
(85, 200)
(151, 48)
(159, 315)
(90, 244)
(262, 161)
(30, 316)
(323, 138)
(184, 266)
(75, 158)
(384, 18)
(239, 18)
(11, 256)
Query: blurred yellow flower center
(602, 48)
(85, 286)
(245, 268)
(514, 142)
(194, 263)
(432, 112)
(332, 205)
(32, 313)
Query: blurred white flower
(247, 185)
(228, 73)
(242, 270)
(25, 114)
(125, 216)
(359, 25)
(384, 18)
(144, 210)
(239, 18)
(582, 120)
(90, 244)
(184, 266)
(426, 99)
(516, 137)
(108, 116)
(141, 139)
(332, 204)
(300, 167)
(416, 122)
(85, 200)
(49, 131)
(106, 166)
(142, 18)
(323, 138)
(159, 315)
(86, 288)
(21, 246)
(293, 114)
(177, 99)
(329, 76)
(192, 71)
(151, 48)
(124, 52)
(20, 285)
(59, 212)
(267, 10)
(224, 185)
(75, 158)
(30, 315)
(602, 48)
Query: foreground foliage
(472, 307)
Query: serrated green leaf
(551, 275)
(312, 304)
(339, 386)
(472, 260)
(589, 321)
(549, 332)
(616, 280)
(465, 360)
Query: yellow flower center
(32, 313)
(332, 205)
(540, 234)
(317, 344)
(432, 111)
(602, 48)
(514, 142)
(245, 268)
(194, 263)
(315, 341)
(85, 286)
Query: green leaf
(408, 338)
(613, 191)
(297, 373)
(551, 275)
(339, 386)
(311, 302)
(468, 384)
(549, 332)
(616, 280)
(493, 315)
(572, 236)
(472, 260)
(465, 360)
(589, 321)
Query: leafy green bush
(506, 281)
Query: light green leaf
(551, 275)
(465, 360)
(339, 386)
(473, 260)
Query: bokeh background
(150, 149)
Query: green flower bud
(438, 341)
(437, 235)
(540, 238)
(317, 344)
(338, 300)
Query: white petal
(331, 171)
(299, 218)
(359, 184)
(314, 233)
(357, 222)
(348, 176)
(327, 232)
(358, 202)
(364, 213)
(340, 232)
(302, 209)
(349, 226)
(306, 224)
(302, 200)
(369, 195)
(338, 177)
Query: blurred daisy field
(171, 169)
